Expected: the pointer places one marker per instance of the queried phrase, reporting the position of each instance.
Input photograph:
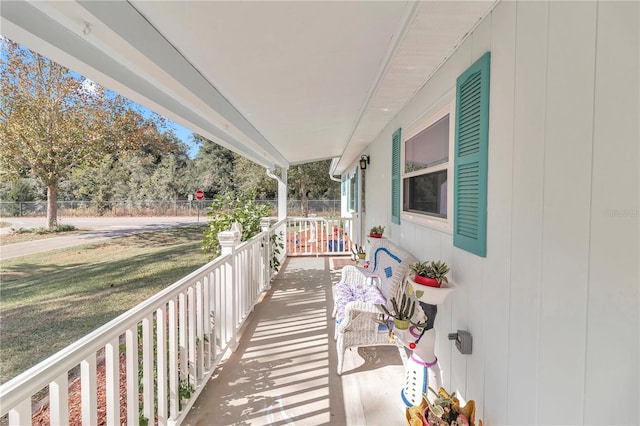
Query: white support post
(282, 195)
(228, 242)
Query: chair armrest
(352, 311)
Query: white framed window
(427, 177)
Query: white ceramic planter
(430, 295)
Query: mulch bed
(41, 413)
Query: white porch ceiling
(278, 82)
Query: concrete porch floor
(284, 370)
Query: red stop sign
(199, 194)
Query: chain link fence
(328, 208)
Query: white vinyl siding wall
(554, 307)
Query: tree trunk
(52, 205)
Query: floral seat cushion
(363, 292)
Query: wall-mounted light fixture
(364, 160)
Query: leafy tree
(212, 169)
(52, 120)
(311, 180)
(25, 188)
(228, 208)
(168, 179)
(99, 183)
(250, 177)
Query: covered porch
(531, 197)
(284, 369)
(238, 341)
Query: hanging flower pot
(431, 282)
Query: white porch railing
(167, 347)
(319, 236)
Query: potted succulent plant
(376, 232)
(431, 274)
(402, 313)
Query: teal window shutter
(471, 153)
(396, 180)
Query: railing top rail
(260, 235)
(277, 224)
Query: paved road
(100, 228)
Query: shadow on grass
(26, 280)
(98, 267)
(48, 301)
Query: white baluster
(191, 300)
(147, 368)
(161, 338)
(173, 360)
(112, 381)
(89, 391)
(182, 335)
(132, 375)
(21, 414)
(59, 400)
(199, 331)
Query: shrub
(227, 209)
(42, 230)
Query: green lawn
(49, 300)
